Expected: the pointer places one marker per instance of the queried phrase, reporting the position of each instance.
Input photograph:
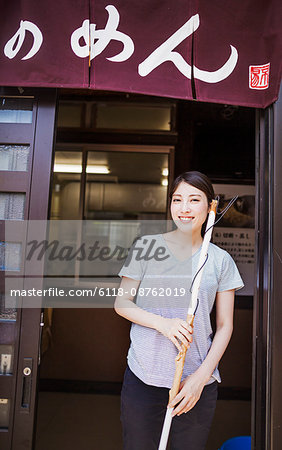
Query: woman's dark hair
(198, 180)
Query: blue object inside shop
(237, 443)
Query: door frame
(267, 331)
(39, 135)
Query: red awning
(221, 51)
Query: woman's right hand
(176, 330)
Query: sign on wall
(235, 232)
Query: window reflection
(14, 157)
(70, 114)
(133, 117)
(6, 314)
(66, 185)
(12, 206)
(117, 202)
(4, 412)
(10, 256)
(132, 189)
(122, 189)
(105, 115)
(16, 110)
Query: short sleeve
(133, 266)
(229, 277)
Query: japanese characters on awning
(218, 51)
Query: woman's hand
(177, 330)
(190, 392)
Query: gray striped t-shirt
(165, 290)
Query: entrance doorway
(82, 367)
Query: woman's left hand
(190, 392)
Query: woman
(159, 324)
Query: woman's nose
(185, 207)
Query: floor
(91, 422)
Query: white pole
(166, 429)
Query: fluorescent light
(164, 182)
(165, 172)
(77, 168)
(68, 168)
(97, 169)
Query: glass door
(114, 190)
(100, 187)
(107, 182)
(26, 139)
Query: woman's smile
(185, 219)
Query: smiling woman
(159, 326)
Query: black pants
(143, 409)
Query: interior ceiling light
(165, 172)
(165, 182)
(68, 168)
(97, 169)
(77, 168)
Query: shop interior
(115, 156)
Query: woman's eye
(176, 200)
(195, 200)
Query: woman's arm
(191, 388)
(177, 330)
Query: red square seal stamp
(259, 76)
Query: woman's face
(189, 206)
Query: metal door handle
(26, 384)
